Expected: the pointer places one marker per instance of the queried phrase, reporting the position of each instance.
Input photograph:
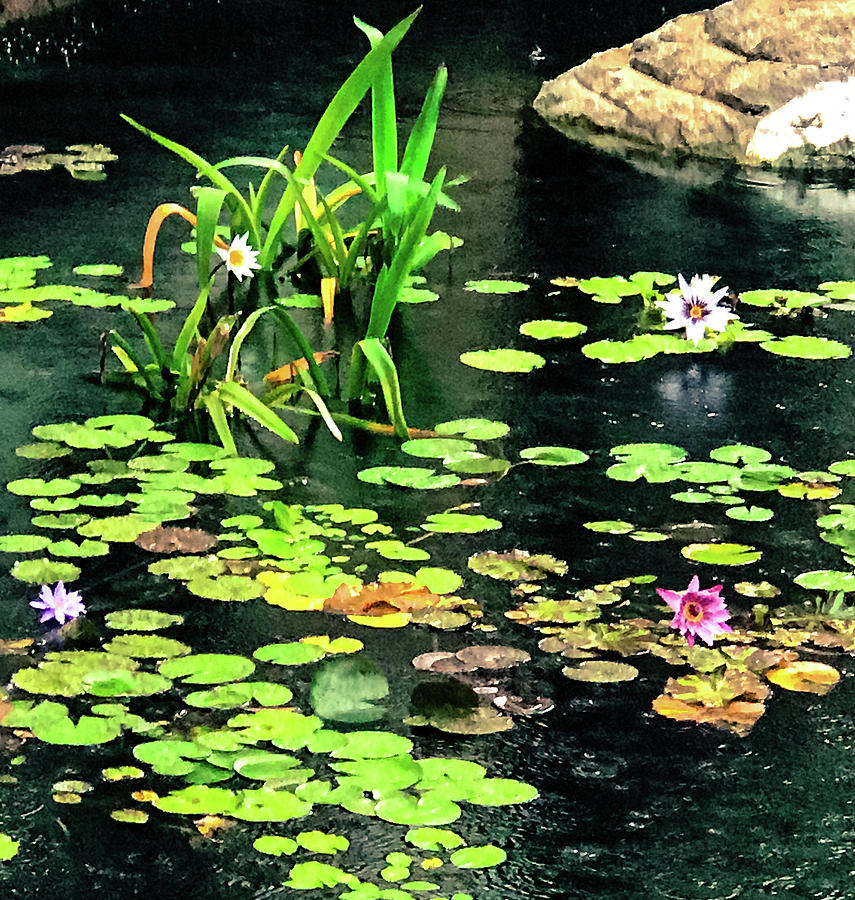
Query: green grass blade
(378, 358)
(387, 290)
(249, 404)
(217, 412)
(189, 329)
(152, 339)
(239, 338)
(126, 348)
(209, 171)
(384, 126)
(326, 415)
(420, 142)
(341, 107)
(305, 347)
(209, 202)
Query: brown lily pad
(601, 671)
(738, 716)
(492, 656)
(516, 565)
(381, 599)
(172, 539)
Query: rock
(13, 10)
(755, 81)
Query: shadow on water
(631, 805)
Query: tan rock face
(702, 83)
(12, 10)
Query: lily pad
(503, 360)
(749, 513)
(483, 857)
(600, 670)
(417, 477)
(207, 668)
(807, 347)
(44, 571)
(459, 523)
(722, 554)
(516, 565)
(553, 456)
(544, 329)
(474, 429)
(805, 676)
(141, 619)
(496, 286)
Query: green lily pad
(805, 347)
(346, 689)
(146, 646)
(785, 299)
(8, 847)
(553, 456)
(609, 290)
(433, 839)
(98, 270)
(459, 523)
(207, 668)
(141, 619)
(38, 487)
(274, 844)
(82, 550)
(431, 808)
(544, 329)
(826, 580)
(44, 571)
(474, 429)
(482, 857)
(417, 477)
(307, 876)
(740, 453)
(227, 696)
(749, 513)
(129, 816)
(373, 745)
(722, 554)
(438, 580)
(610, 526)
(398, 550)
(86, 730)
(600, 670)
(436, 448)
(229, 588)
(42, 450)
(495, 286)
(322, 842)
(503, 359)
(23, 543)
(293, 653)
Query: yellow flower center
(236, 258)
(693, 611)
(697, 311)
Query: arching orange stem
(155, 221)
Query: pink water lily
(696, 612)
(695, 307)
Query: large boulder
(756, 81)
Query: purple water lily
(59, 604)
(697, 613)
(696, 308)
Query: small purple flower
(696, 308)
(59, 604)
(696, 612)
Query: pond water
(630, 803)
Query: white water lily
(239, 257)
(696, 308)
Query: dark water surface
(632, 805)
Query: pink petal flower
(697, 613)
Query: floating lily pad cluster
(21, 299)
(597, 628)
(148, 479)
(649, 341)
(467, 448)
(258, 759)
